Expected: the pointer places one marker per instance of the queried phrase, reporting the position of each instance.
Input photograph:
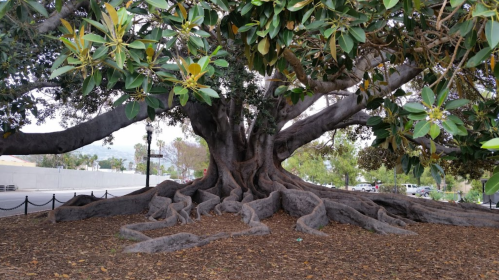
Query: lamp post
(149, 130)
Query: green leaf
(492, 185)
(442, 95)
(180, 90)
(246, 9)
(96, 25)
(479, 57)
(492, 33)
(307, 15)
(421, 129)
(61, 71)
(222, 4)
(315, 25)
(280, 90)
(120, 58)
(97, 77)
(264, 45)
(94, 38)
(455, 120)
(482, 11)
(183, 99)
(456, 104)
(88, 85)
(161, 4)
(329, 31)
(418, 116)
(121, 100)
(346, 42)
(256, 2)
(372, 121)
(358, 33)
(414, 108)
(93, 4)
(169, 33)
(132, 109)
(152, 102)
(58, 5)
(58, 61)
(390, 3)
(211, 17)
(151, 113)
(196, 41)
(434, 131)
(38, 7)
(435, 173)
(100, 52)
(246, 27)
(455, 3)
(4, 7)
(134, 81)
(492, 145)
(428, 96)
(466, 27)
(209, 92)
(137, 45)
(221, 63)
(450, 126)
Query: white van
(410, 188)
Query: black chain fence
(53, 200)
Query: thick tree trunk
(256, 188)
(245, 176)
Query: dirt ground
(92, 249)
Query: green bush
(473, 196)
(436, 195)
(450, 196)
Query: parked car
(410, 188)
(330, 186)
(423, 191)
(364, 188)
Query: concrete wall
(54, 179)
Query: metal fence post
(53, 201)
(106, 194)
(75, 195)
(26, 206)
(92, 194)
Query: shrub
(436, 195)
(473, 196)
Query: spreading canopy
(153, 56)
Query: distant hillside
(107, 152)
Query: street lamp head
(149, 128)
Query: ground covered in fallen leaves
(92, 249)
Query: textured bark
(245, 175)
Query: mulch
(30, 248)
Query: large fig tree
(242, 72)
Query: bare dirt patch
(92, 249)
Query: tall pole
(149, 138)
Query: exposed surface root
(309, 207)
(231, 203)
(347, 215)
(170, 204)
(206, 202)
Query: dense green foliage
(130, 52)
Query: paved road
(15, 198)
